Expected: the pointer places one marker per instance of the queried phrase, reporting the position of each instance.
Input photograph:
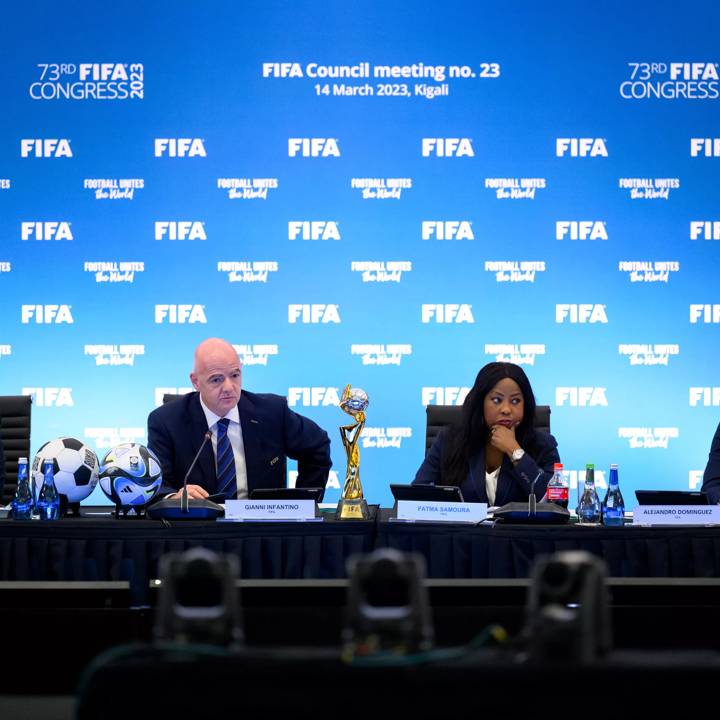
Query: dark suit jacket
(513, 482)
(711, 478)
(270, 430)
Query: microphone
(532, 511)
(184, 495)
(532, 500)
(180, 508)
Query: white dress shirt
(491, 480)
(234, 433)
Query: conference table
(88, 581)
(509, 551)
(101, 548)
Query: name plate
(413, 510)
(270, 510)
(676, 515)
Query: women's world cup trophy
(352, 505)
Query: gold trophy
(352, 505)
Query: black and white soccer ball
(130, 475)
(75, 467)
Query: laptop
(427, 493)
(671, 497)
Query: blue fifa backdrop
(384, 194)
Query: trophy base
(352, 510)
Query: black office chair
(169, 397)
(440, 416)
(15, 438)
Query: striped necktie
(226, 480)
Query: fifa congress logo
(89, 81)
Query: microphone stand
(180, 508)
(532, 500)
(532, 511)
(184, 495)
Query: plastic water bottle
(22, 504)
(589, 507)
(613, 507)
(48, 503)
(557, 489)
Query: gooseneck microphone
(184, 495)
(532, 500)
(180, 508)
(532, 511)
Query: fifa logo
(707, 396)
(447, 230)
(282, 70)
(180, 230)
(313, 396)
(314, 314)
(709, 147)
(45, 231)
(180, 314)
(448, 313)
(47, 314)
(693, 71)
(313, 147)
(179, 147)
(45, 147)
(580, 147)
(580, 313)
(102, 71)
(313, 230)
(585, 396)
(705, 313)
(705, 229)
(444, 395)
(580, 230)
(447, 147)
(50, 396)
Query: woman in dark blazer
(495, 453)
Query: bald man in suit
(252, 434)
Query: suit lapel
(477, 477)
(252, 433)
(205, 466)
(504, 483)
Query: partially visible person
(251, 434)
(2, 470)
(495, 453)
(711, 476)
